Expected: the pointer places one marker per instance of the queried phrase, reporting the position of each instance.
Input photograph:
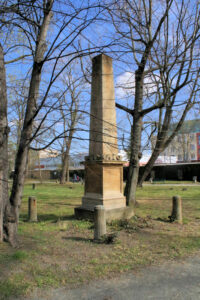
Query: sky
(98, 34)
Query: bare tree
(71, 116)
(3, 143)
(12, 210)
(50, 28)
(161, 45)
(16, 109)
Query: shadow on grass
(165, 220)
(48, 217)
(62, 204)
(76, 238)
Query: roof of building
(189, 126)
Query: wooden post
(33, 186)
(176, 209)
(99, 222)
(32, 209)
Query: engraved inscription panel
(112, 179)
(93, 179)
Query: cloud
(125, 85)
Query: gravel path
(173, 280)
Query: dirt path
(173, 280)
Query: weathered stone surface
(99, 222)
(176, 210)
(104, 185)
(103, 130)
(32, 209)
(103, 166)
(122, 213)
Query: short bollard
(99, 222)
(176, 210)
(32, 209)
(33, 186)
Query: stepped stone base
(90, 200)
(111, 214)
(104, 186)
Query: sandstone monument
(103, 166)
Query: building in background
(186, 145)
(48, 166)
(162, 159)
(183, 153)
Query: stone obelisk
(103, 166)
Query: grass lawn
(58, 250)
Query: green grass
(13, 287)
(162, 191)
(58, 250)
(171, 182)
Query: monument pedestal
(122, 213)
(104, 186)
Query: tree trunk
(133, 172)
(3, 143)
(12, 210)
(148, 167)
(65, 162)
(163, 140)
(65, 167)
(67, 172)
(40, 171)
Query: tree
(161, 45)
(16, 107)
(50, 29)
(3, 143)
(71, 116)
(12, 211)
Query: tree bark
(159, 147)
(3, 143)
(65, 167)
(12, 210)
(133, 172)
(40, 171)
(65, 162)
(148, 167)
